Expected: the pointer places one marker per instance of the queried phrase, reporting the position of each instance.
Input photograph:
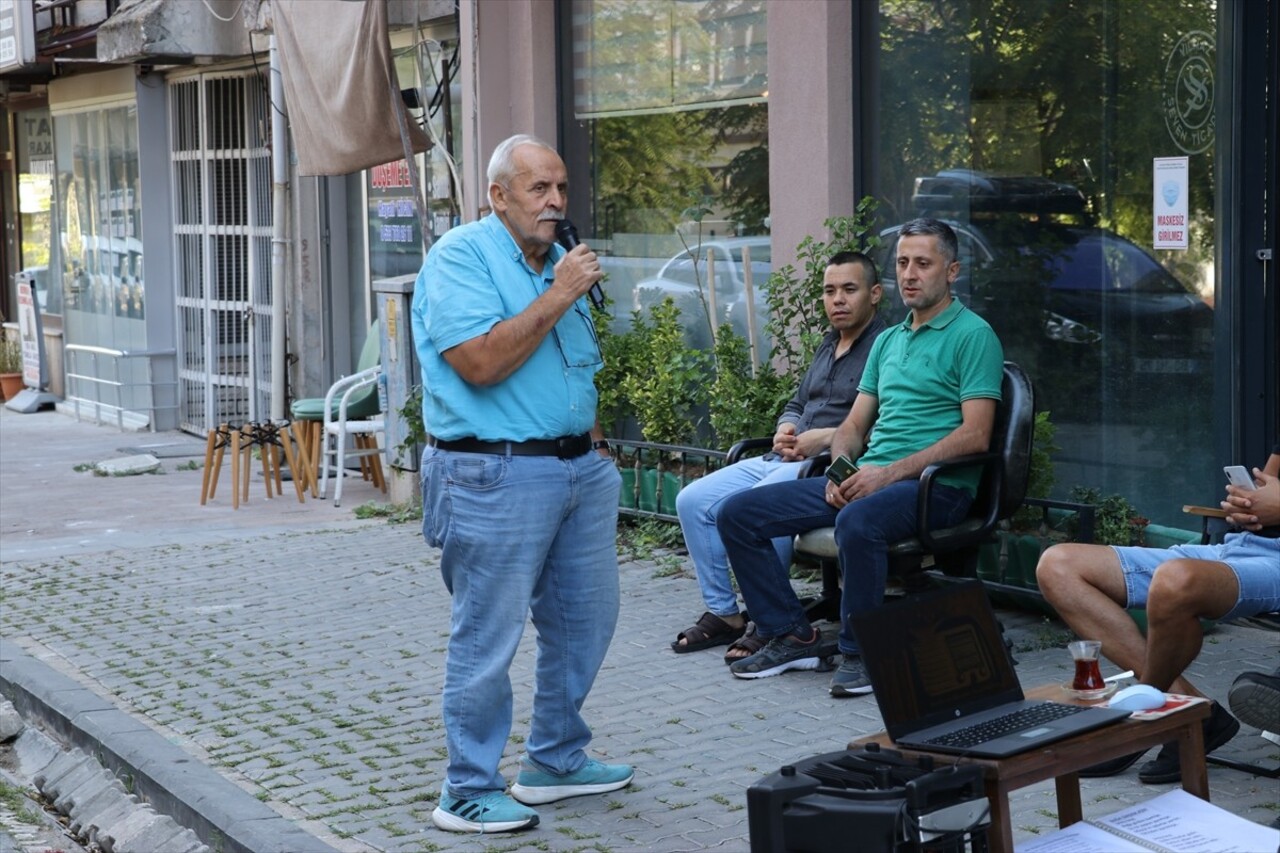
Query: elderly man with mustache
(518, 491)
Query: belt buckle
(569, 447)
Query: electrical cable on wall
(226, 20)
(425, 52)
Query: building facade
(1110, 168)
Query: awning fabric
(340, 85)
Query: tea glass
(1085, 654)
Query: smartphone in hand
(1238, 475)
(840, 469)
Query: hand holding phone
(841, 469)
(1238, 475)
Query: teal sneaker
(490, 812)
(535, 787)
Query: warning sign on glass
(1169, 203)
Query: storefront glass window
(667, 149)
(429, 69)
(1034, 128)
(100, 228)
(35, 202)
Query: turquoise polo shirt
(474, 277)
(921, 377)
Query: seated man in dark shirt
(1092, 585)
(851, 297)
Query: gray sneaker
(850, 678)
(779, 655)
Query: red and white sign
(29, 332)
(1169, 203)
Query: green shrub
(742, 405)
(797, 320)
(668, 383)
(1115, 520)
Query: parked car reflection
(677, 279)
(1078, 306)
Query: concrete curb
(161, 773)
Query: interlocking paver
(305, 660)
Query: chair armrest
(1207, 515)
(815, 466)
(930, 474)
(346, 386)
(747, 444)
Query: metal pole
(279, 234)
(749, 289)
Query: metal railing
(654, 473)
(77, 380)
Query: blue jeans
(698, 504)
(750, 520)
(521, 535)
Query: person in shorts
(1092, 586)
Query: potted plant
(10, 367)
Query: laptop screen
(936, 656)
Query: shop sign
(395, 233)
(17, 35)
(29, 333)
(1187, 92)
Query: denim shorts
(1254, 559)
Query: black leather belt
(565, 447)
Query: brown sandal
(709, 631)
(750, 642)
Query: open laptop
(943, 678)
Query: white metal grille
(220, 143)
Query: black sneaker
(1255, 699)
(779, 655)
(1218, 729)
(850, 678)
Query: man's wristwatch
(601, 444)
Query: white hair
(502, 167)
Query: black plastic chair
(1006, 469)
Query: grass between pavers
(18, 802)
(129, 675)
(289, 675)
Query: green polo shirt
(921, 377)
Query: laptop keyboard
(1008, 724)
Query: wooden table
(1063, 760)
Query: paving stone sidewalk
(304, 661)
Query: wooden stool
(239, 439)
(273, 439)
(371, 464)
(278, 438)
(241, 445)
(214, 448)
(309, 435)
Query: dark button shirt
(826, 392)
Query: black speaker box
(868, 800)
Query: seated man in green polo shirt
(930, 388)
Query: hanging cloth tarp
(345, 111)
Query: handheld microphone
(567, 236)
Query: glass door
(1041, 130)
